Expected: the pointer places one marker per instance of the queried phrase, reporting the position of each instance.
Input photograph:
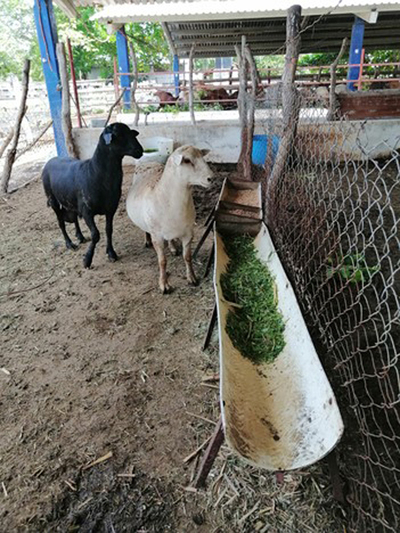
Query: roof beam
(168, 36)
(68, 7)
(370, 16)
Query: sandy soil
(96, 362)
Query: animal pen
(331, 201)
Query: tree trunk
(290, 104)
(6, 142)
(134, 104)
(333, 105)
(251, 108)
(10, 157)
(243, 111)
(65, 107)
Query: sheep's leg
(162, 263)
(89, 219)
(112, 256)
(78, 233)
(147, 242)
(61, 222)
(187, 256)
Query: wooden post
(290, 108)
(191, 103)
(209, 456)
(116, 82)
(332, 93)
(251, 108)
(65, 107)
(134, 104)
(10, 157)
(243, 110)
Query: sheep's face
(121, 140)
(191, 166)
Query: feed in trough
(255, 326)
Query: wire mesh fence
(334, 215)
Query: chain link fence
(334, 215)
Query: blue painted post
(176, 74)
(123, 66)
(47, 37)
(356, 45)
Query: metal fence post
(47, 38)
(123, 66)
(176, 74)
(356, 45)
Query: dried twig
(35, 140)
(213, 377)
(99, 460)
(196, 451)
(201, 418)
(117, 101)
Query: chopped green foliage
(150, 150)
(256, 326)
(353, 268)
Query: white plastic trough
(281, 415)
(163, 145)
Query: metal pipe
(73, 77)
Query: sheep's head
(121, 140)
(191, 167)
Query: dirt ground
(98, 364)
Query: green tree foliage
(92, 46)
(17, 36)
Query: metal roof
(217, 25)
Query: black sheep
(92, 187)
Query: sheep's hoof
(167, 289)
(87, 263)
(82, 239)
(112, 256)
(71, 246)
(148, 244)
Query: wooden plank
(210, 455)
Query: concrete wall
(351, 139)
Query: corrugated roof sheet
(228, 9)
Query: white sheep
(160, 203)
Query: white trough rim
(281, 415)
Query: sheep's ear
(107, 136)
(178, 159)
(135, 133)
(204, 151)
